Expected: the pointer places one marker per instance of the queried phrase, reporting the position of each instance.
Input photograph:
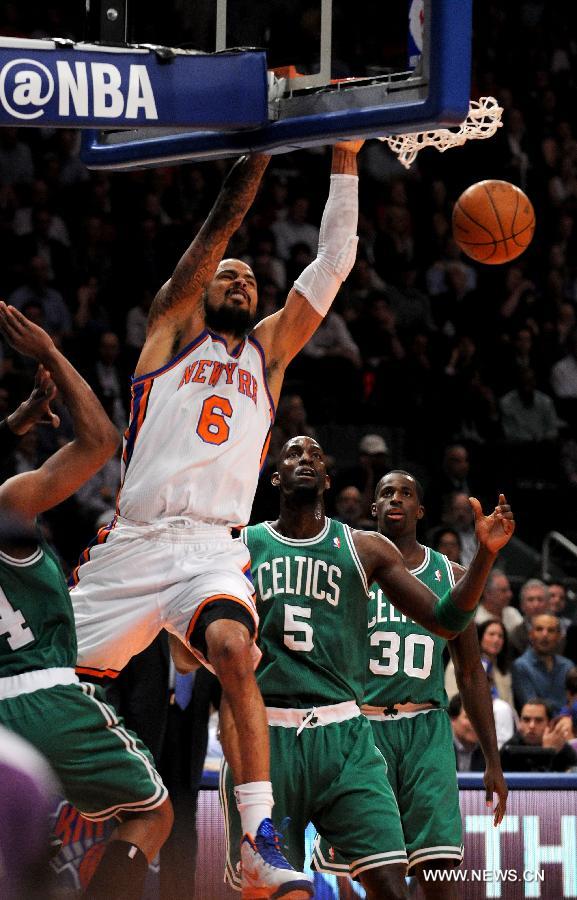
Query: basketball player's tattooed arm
(475, 693)
(179, 298)
(384, 564)
(286, 332)
(95, 438)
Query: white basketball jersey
(198, 435)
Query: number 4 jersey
(36, 620)
(312, 604)
(406, 660)
(198, 435)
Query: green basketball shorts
(333, 776)
(421, 768)
(103, 768)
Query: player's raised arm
(284, 333)
(180, 297)
(96, 439)
(452, 613)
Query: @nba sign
(95, 90)
(48, 84)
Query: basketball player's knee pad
(338, 240)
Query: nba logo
(337, 543)
(415, 41)
(438, 575)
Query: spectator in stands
(296, 228)
(453, 477)
(446, 540)
(291, 420)
(458, 513)
(40, 242)
(468, 754)
(350, 508)
(56, 316)
(526, 413)
(533, 599)
(494, 653)
(496, 602)
(374, 460)
(109, 379)
(136, 322)
(557, 593)
(570, 707)
(538, 728)
(16, 160)
(564, 379)
(540, 671)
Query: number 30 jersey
(406, 660)
(198, 435)
(312, 603)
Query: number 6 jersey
(406, 660)
(198, 435)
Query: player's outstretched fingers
(477, 509)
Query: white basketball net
(482, 122)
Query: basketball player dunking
(203, 400)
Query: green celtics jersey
(36, 619)
(406, 660)
(312, 602)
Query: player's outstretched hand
(493, 531)
(496, 784)
(23, 335)
(36, 409)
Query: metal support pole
(107, 21)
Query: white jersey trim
(425, 562)
(450, 573)
(356, 559)
(39, 679)
(21, 563)
(304, 542)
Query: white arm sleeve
(338, 240)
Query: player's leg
(385, 883)
(229, 651)
(291, 791)
(133, 844)
(428, 796)
(433, 889)
(245, 742)
(358, 822)
(217, 616)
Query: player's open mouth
(306, 473)
(395, 514)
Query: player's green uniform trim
(104, 769)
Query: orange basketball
(493, 222)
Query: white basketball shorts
(137, 579)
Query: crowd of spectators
(530, 657)
(422, 348)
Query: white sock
(255, 802)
